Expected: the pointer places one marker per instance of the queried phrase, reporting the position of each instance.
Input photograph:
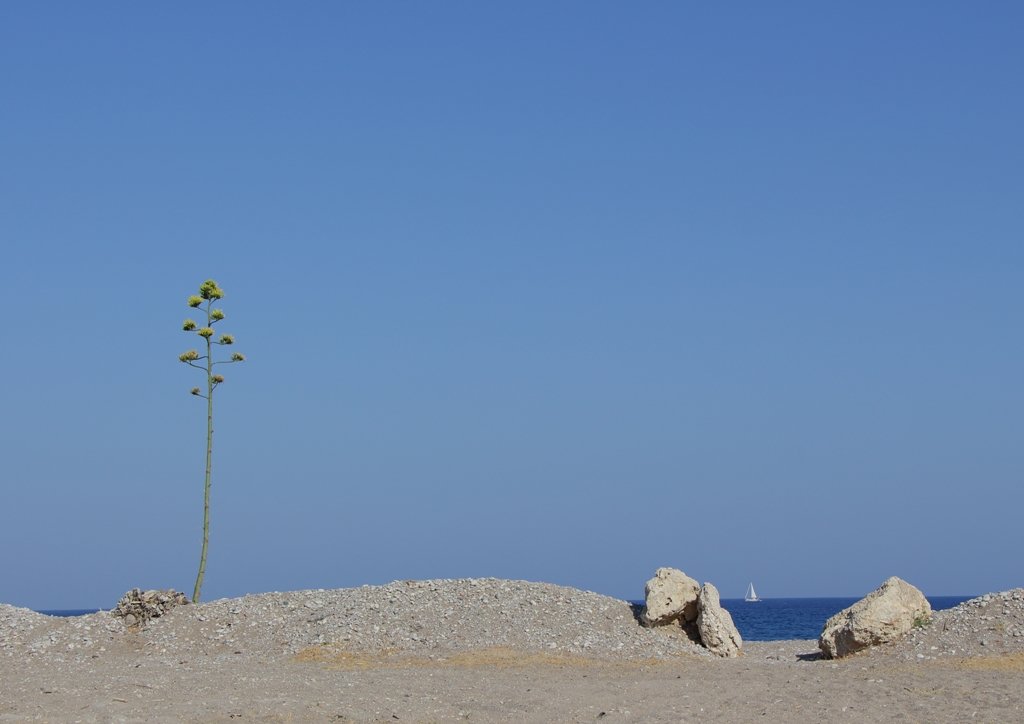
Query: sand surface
(268, 659)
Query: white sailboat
(751, 594)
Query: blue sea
(769, 619)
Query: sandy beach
(487, 650)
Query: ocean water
(65, 612)
(769, 619)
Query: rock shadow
(637, 609)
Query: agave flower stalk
(209, 292)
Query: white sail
(751, 594)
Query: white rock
(670, 596)
(884, 615)
(717, 631)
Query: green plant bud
(226, 339)
(188, 325)
(194, 301)
(195, 390)
(210, 290)
(217, 379)
(217, 315)
(205, 332)
(190, 356)
(238, 357)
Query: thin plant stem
(209, 461)
(209, 292)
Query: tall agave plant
(209, 292)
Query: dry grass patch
(997, 662)
(493, 657)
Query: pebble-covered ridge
(432, 619)
(424, 618)
(990, 625)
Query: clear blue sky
(562, 291)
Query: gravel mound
(990, 625)
(421, 618)
(434, 619)
(18, 625)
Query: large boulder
(670, 596)
(884, 615)
(717, 631)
